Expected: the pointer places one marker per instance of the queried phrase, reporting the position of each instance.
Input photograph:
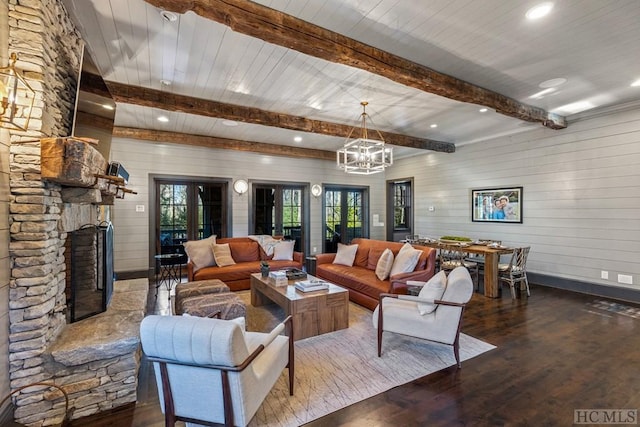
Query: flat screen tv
(95, 110)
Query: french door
(345, 216)
(188, 210)
(280, 210)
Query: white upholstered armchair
(434, 315)
(210, 370)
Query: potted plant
(264, 268)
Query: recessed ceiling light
(163, 119)
(483, 110)
(297, 139)
(230, 123)
(539, 11)
(433, 125)
(168, 16)
(636, 83)
(553, 82)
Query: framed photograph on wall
(497, 205)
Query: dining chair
(452, 258)
(516, 270)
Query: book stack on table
(311, 285)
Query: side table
(170, 268)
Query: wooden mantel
(75, 162)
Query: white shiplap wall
(581, 195)
(140, 158)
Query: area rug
(341, 368)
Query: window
(401, 206)
(400, 209)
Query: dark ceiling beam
(186, 104)
(285, 30)
(222, 143)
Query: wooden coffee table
(313, 313)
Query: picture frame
(503, 204)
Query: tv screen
(95, 110)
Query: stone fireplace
(95, 360)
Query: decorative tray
(296, 273)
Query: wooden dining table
(491, 260)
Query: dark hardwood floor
(557, 351)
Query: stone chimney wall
(49, 52)
(95, 360)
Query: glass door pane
(344, 216)
(333, 219)
(292, 215)
(278, 210)
(173, 217)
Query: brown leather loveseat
(247, 254)
(360, 279)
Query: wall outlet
(315, 249)
(139, 208)
(604, 274)
(626, 279)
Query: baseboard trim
(614, 292)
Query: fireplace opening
(89, 266)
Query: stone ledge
(110, 334)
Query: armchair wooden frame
(170, 415)
(456, 343)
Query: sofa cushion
(200, 252)
(231, 273)
(433, 289)
(283, 251)
(385, 262)
(374, 255)
(222, 254)
(362, 255)
(355, 278)
(346, 254)
(244, 251)
(406, 260)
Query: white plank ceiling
(593, 44)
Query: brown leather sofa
(247, 254)
(360, 279)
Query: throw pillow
(406, 260)
(200, 253)
(385, 262)
(222, 254)
(284, 250)
(346, 254)
(433, 289)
